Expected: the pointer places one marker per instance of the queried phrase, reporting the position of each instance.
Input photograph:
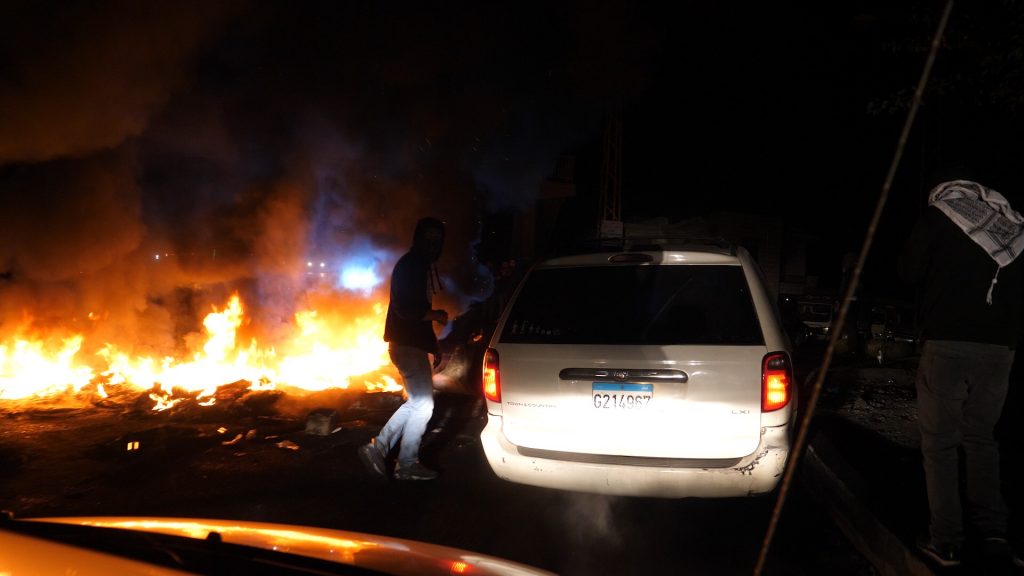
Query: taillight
(776, 379)
(491, 379)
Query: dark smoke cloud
(68, 218)
(157, 157)
(66, 226)
(79, 82)
(85, 76)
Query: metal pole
(801, 439)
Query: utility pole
(610, 213)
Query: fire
(320, 349)
(29, 368)
(328, 350)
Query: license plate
(622, 396)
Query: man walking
(964, 254)
(409, 331)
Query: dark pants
(961, 388)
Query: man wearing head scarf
(963, 253)
(410, 333)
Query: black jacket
(412, 289)
(954, 275)
(411, 294)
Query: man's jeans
(409, 422)
(961, 388)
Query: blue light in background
(361, 267)
(359, 277)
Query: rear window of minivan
(643, 304)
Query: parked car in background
(658, 369)
(816, 313)
(893, 333)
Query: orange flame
(29, 368)
(326, 352)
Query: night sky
(243, 137)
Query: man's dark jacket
(412, 291)
(955, 274)
(410, 301)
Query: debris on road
(322, 422)
(235, 440)
(287, 444)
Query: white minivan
(652, 370)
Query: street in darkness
(262, 456)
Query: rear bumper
(756, 474)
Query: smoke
(591, 523)
(592, 517)
(84, 77)
(157, 158)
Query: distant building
(563, 217)
(781, 253)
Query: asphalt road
(257, 456)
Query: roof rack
(656, 243)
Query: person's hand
(440, 316)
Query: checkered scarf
(985, 216)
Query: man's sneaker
(372, 458)
(1017, 553)
(942, 554)
(415, 472)
(996, 553)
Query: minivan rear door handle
(666, 375)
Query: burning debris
(233, 441)
(287, 445)
(321, 355)
(322, 422)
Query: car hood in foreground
(30, 546)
